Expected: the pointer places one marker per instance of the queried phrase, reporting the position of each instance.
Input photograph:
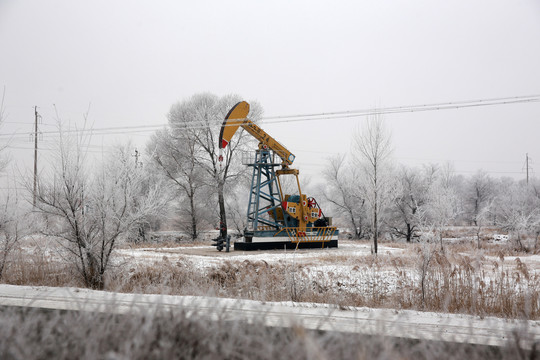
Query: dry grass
(454, 283)
(464, 284)
(461, 279)
(39, 269)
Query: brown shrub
(38, 268)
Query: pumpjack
(275, 220)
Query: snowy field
(487, 296)
(338, 260)
(204, 256)
(351, 268)
(492, 281)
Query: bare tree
(11, 229)
(342, 191)
(236, 205)
(443, 203)
(10, 209)
(478, 193)
(177, 159)
(89, 212)
(535, 189)
(516, 209)
(482, 219)
(372, 150)
(149, 179)
(4, 160)
(424, 260)
(199, 119)
(409, 197)
(2, 114)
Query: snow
(399, 323)
(213, 257)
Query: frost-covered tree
(372, 149)
(11, 227)
(516, 209)
(3, 158)
(11, 212)
(198, 120)
(479, 191)
(236, 203)
(535, 187)
(343, 191)
(2, 109)
(176, 157)
(149, 179)
(90, 209)
(535, 190)
(443, 203)
(409, 196)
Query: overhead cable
(305, 117)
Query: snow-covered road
(394, 323)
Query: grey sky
(132, 59)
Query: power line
(420, 159)
(300, 165)
(385, 111)
(310, 117)
(110, 149)
(424, 107)
(51, 149)
(25, 123)
(89, 147)
(461, 161)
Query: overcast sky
(129, 61)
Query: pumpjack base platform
(277, 245)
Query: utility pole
(136, 156)
(527, 166)
(35, 152)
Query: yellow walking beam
(238, 117)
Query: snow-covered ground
(207, 256)
(349, 268)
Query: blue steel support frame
(264, 195)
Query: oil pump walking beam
(237, 117)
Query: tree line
(89, 205)
(373, 195)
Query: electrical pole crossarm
(238, 117)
